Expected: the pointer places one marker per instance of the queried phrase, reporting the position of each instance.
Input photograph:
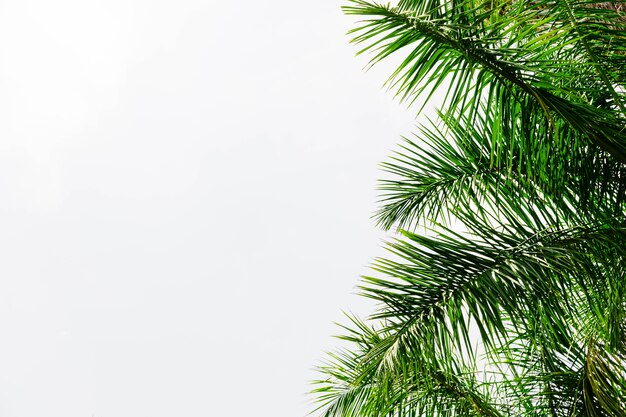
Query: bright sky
(185, 198)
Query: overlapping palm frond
(511, 300)
(530, 288)
(534, 52)
(368, 385)
(470, 168)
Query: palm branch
(504, 291)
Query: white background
(185, 199)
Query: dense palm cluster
(504, 292)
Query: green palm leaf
(511, 299)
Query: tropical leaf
(504, 290)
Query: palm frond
(530, 56)
(466, 167)
(512, 299)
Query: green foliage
(504, 293)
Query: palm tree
(504, 293)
